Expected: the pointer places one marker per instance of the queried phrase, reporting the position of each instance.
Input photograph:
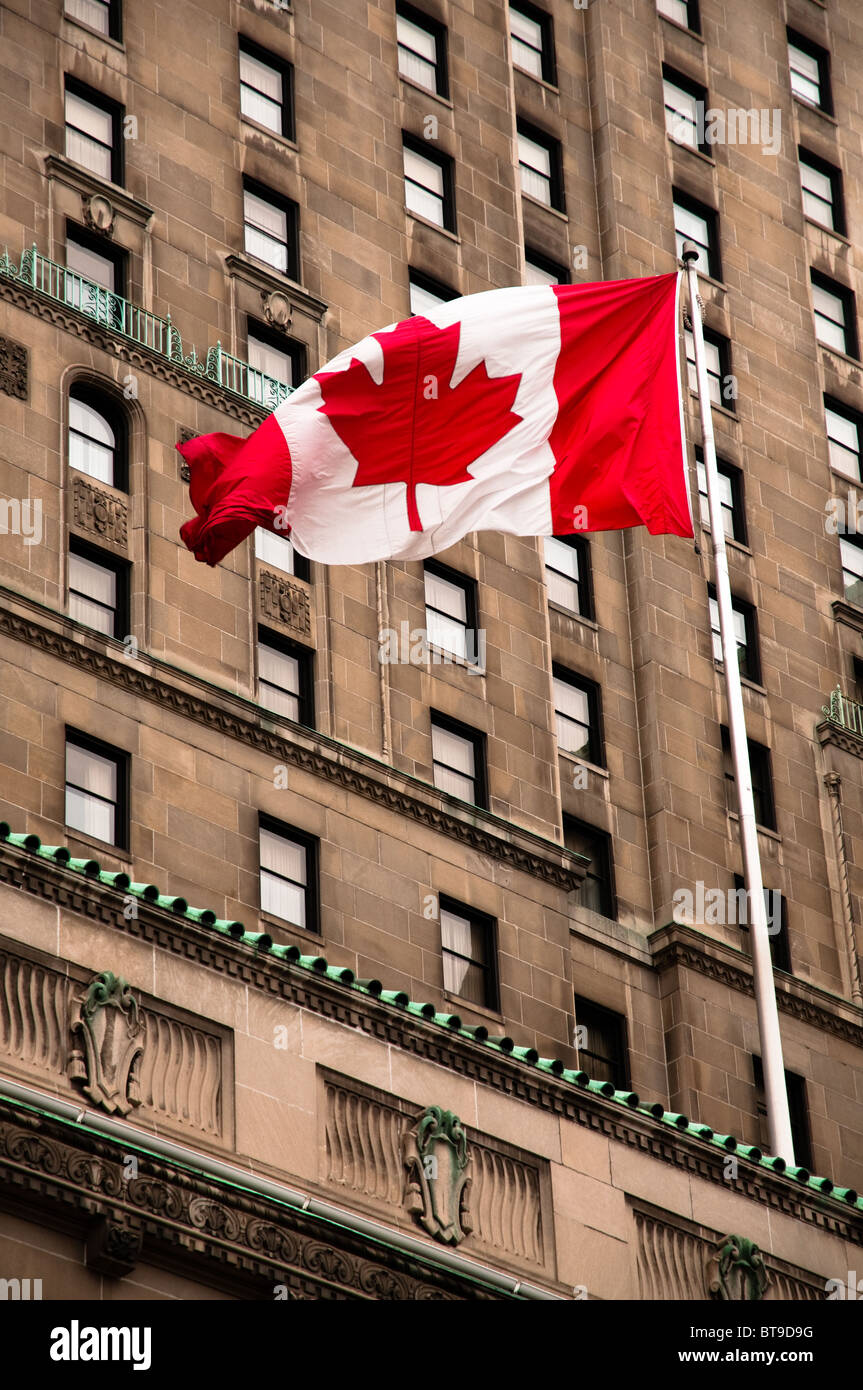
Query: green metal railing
(117, 314)
(848, 714)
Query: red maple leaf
(414, 427)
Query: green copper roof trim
(263, 943)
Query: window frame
(545, 21)
(551, 267)
(469, 587)
(749, 613)
(596, 740)
(115, 20)
(122, 817)
(477, 739)
(445, 164)
(115, 110)
(794, 39)
(621, 1061)
(852, 539)
(435, 30)
(292, 225)
(552, 145)
(430, 286)
(807, 159)
(852, 417)
(798, 1106)
(723, 348)
(848, 300)
(693, 26)
(759, 756)
(311, 845)
(121, 570)
(686, 203)
(584, 583)
(106, 405)
(686, 84)
(302, 567)
(304, 656)
(285, 70)
(280, 342)
(608, 887)
(738, 509)
(491, 969)
(780, 947)
(100, 246)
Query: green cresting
(261, 942)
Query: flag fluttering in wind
(539, 410)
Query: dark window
(810, 71)
(271, 228)
(731, 495)
(600, 1043)
(762, 780)
(94, 131)
(683, 12)
(597, 892)
(777, 923)
(844, 438)
(822, 191)
(426, 294)
(102, 15)
(577, 716)
(717, 353)
(835, 314)
(797, 1109)
(567, 573)
(271, 355)
(694, 221)
(288, 860)
(285, 677)
(745, 632)
(539, 270)
(851, 551)
(451, 612)
(95, 277)
(422, 49)
(685, 106)
(532, 41)
(279, 552)
(98, 589)
(97, 789)
(266, 89)
(98, 436)
(428, 183)
(469, 954)
(540, 166)
(458, 753)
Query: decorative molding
(833, 783)
(89, 185)
(98, 213)
(437, 1159)
(13, 369)
(284, 601)
(834, 734)
(269, 282)
(185, 434)
(327, 759)
(741, 1275)
(277, 309)
(113, 1247)
(851, 616)
(100, 513)
(109, 1033)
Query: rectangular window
(91, 262)
(695, 222)
(468, 949)
(835, 314)
(745, 632)
(101, 15)
(271, 354)
(822, 191)
(271, 228)
(288, 871)
(683, 12)
(762, 780)
(567, 573)
(539, 270)
(843, 439)
(851, 549)
(93, 131)
(280, 553)
(98, 589)
(427, 294)
(532, 41)
(795, 1087)
(685, 102)
(428, 185)
(731, 496)
(718, 358)
(285, 677)
(777, 923)
(540, 166)
(97, 780)
(600, 1043)
(459, 759)
(421, 49)
(810, 71)
(266, 89)
(450, 611)
(597, 891)
(576, 707)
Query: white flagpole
(778, 1117)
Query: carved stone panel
(108, 1034)
(285, 602)
(99, 513)
(13, 369)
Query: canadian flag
(539, 410)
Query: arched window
(97, 437)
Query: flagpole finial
(689, 252)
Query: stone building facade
(397, 928)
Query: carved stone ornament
(13, 369)
(108, 1033)
(437, 1158)
(99, 214)
(99, 512)
(741, 1275)
(277, 309)
(185, 434)
(112, 1247)
(285, 602)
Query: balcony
(847, 714)
(158, 335)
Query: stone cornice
(676, 944)
(834, 734)
(320, 995)
(325, 758)
(848, 613)
(57, 166)
(72, 321)
(270, 282)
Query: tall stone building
(345, 946)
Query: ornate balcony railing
(112, 311)
(848, 714)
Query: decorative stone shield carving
(13, 369)
(98, 213)
(741, 1275)
(277, 309)
(437, 1157)
(109, 1035)
(285, 602)
(99, 512)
